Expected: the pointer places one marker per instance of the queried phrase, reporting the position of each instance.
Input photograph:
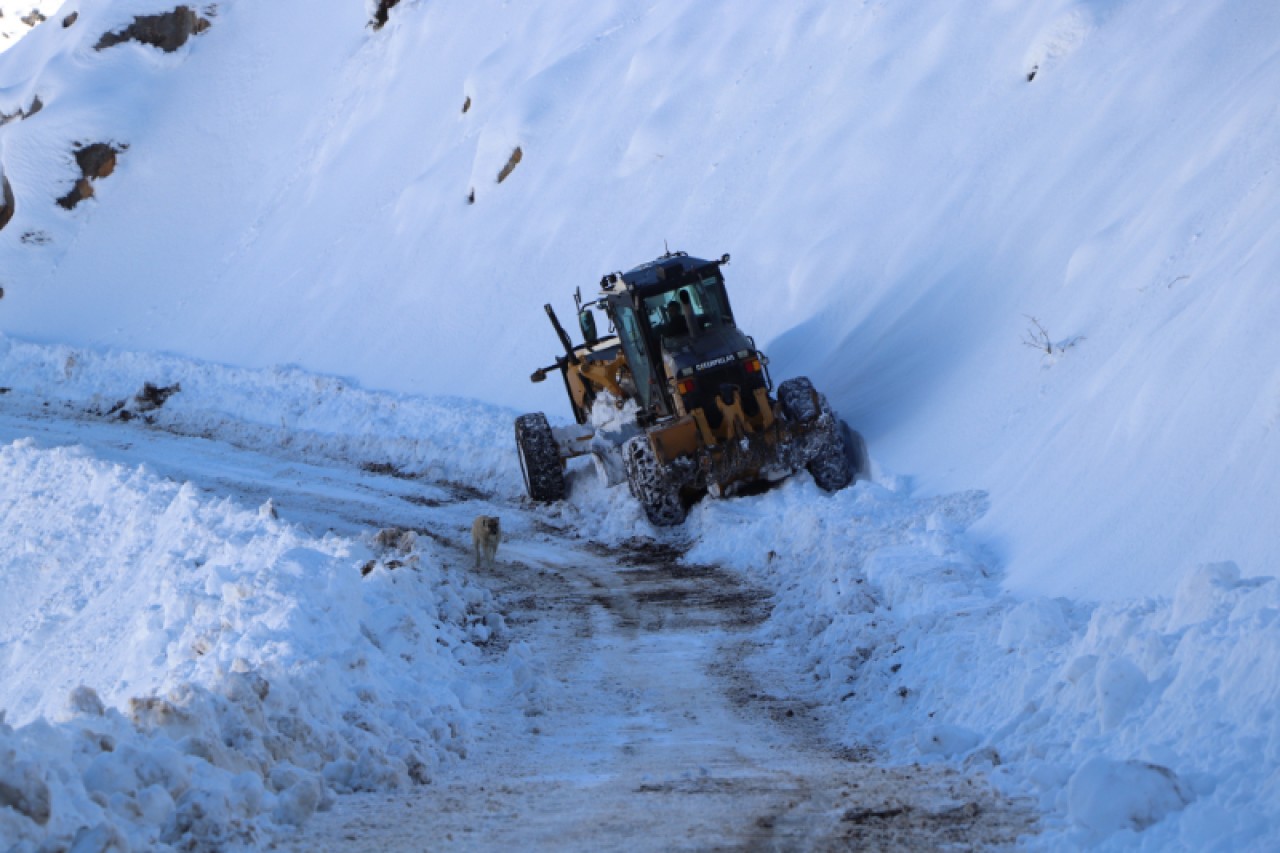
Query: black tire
(661, 502)
(539, 458)
(799, 400)
(855, 451)
(830, 462)
(828, 455)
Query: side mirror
(539, 375)
(587, 322)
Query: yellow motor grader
(677, 399)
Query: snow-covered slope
(911, 193)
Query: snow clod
(102, 838)
(85, 700)
(23, 789)
(1107, 796)
(1122, 687)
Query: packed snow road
(653, 721)
(625, 700)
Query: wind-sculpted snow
(1145, 724)
(182, 670)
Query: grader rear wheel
(539, 458)
(828, 454)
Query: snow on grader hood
(677, 399)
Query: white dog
(485, 535)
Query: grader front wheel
(661, 502)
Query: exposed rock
(381, 12)
(167, 31)
(153, 396)
(96, 161)
(70, 19)
(33, 18)
(515, 158)
(7, 205)
(79, 192)
(36, 106)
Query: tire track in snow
(653, 720)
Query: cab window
(704, 297)
(633, 346)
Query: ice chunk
(299, 801)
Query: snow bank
(1142, 724)
(284, 409)
(240, 670)
(184, 671)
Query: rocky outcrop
(7, 204)
(95, 161)
(381, 11)
(36, 106)
(512, 162)
(167, 31)
(79, 192)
